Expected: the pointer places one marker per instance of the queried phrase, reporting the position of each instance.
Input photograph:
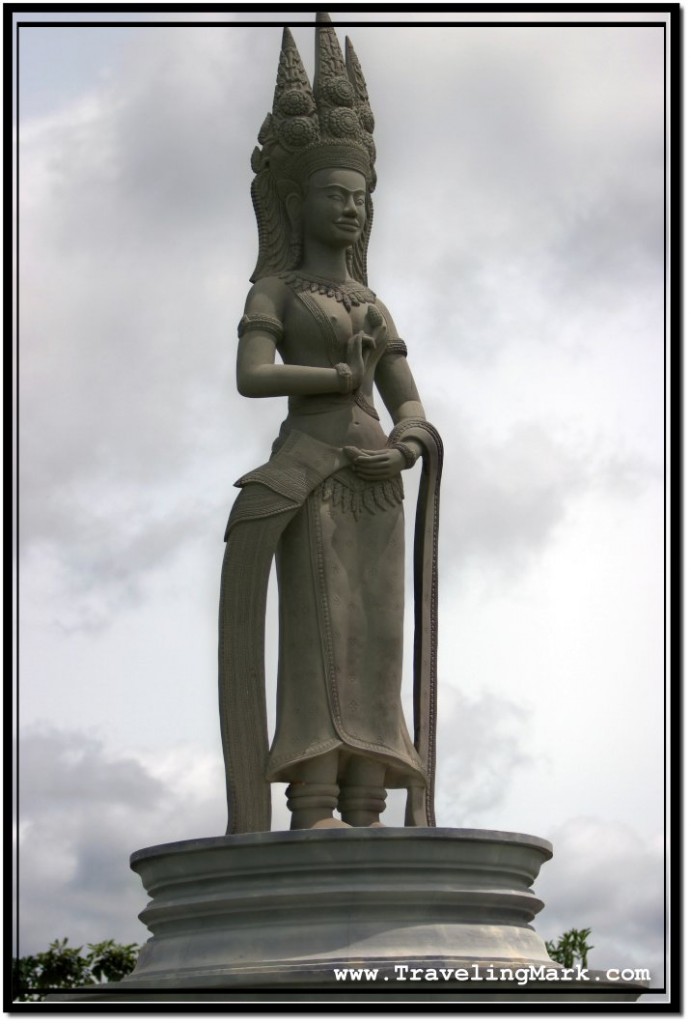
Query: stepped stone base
(280, 916)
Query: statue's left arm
(396, 385)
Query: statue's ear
(293, 203)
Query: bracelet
(408, 453)
(345, 378)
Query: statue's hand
(355, 347)
(380, 465)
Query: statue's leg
(362, 796)
(313, 793)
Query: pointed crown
(329, 124)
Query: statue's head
(330, 207)
(317, 153)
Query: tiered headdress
(328, 124)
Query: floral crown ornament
(328, 124)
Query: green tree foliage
(571, 948)
(64, 967)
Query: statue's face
(333, 208)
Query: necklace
(348, 293)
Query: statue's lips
(348, 224)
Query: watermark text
(531, 973)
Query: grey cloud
(101, 558)
(504, 501)
(130, 295)
(480, 754)
(72, 767)
(127, 340)
(606, 877)
(610, 242)
(155, 152)
(546, 153)
(83, 811)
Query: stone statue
(328, 503)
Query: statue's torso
(318, 321)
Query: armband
(396, 347)
(261, 322)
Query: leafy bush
(571, 948)
(64, 967)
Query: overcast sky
(518, 241)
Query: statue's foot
(313, 803)
(330, 823)
(360, 805)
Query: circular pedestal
(295, 908)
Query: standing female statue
(328, 504)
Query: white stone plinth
(271, 917)
(289, 907)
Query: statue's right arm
(258, 373)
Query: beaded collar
(349, 293)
